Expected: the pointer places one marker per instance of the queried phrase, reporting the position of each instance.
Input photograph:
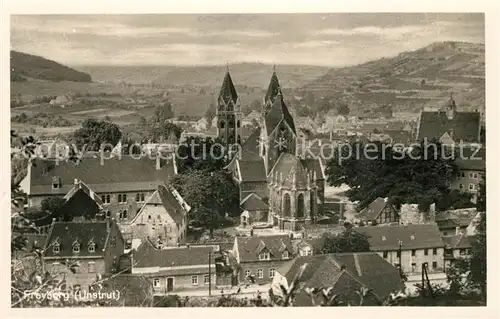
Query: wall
(466, 180)
(407, 259)
(410, 214)
(254, 266)
(183, 282)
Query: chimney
(158, 161)
(342, 268)
(75, 181)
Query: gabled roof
(413, 236)
(165, 196)
(248, 246)
(147, 255)
(373, 210)
(361, 270)
(227, 90)
(81, 186)
(253, 202)
(457, 241)
(116, 174)
(465, 126)
(456, 217)
(279, 113)
(273, 89)
(68, 233)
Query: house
(162, 218)
(471, 162)
(308, 246)
(122, 182)
(89, 249)
(456, 246)
(260, 256)
(453, 222)
(174, 269)
(449, 126)
(380, 211)
(201, 124)
(408, 245)
(82, 203)
(344, 274)
(255, 210)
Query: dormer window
(285, 254)
(76, 247)
(264, 256)
(56, 248)
(56, 182)
(91, 246)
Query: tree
(210, 194)
(54, 205)
(348, 241)
(210, 113)
(343, 109)
(419, 175)
(198, 153)
(163, 112)
(164, 131)
(94, 134)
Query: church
(277, 186)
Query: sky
(333, 40)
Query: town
(257, 202)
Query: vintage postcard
(241, 159)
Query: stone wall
(411, 214)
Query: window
(112, 242)
(106, 199)
(461, 186)
(434, 251)
(122, 198)
(413, 267)
(474, 175)
(123, 215)
(260, 273)
(264, 256)
(92, 248)
(463, 174)
(463, 251)
(108, 213)
(139, 197)
(194, 280)
(472, 187)
(471, 175)
(55, 248)
(413, 252)
(91, 267)
(156, 282)
(271, 272)
(426, 252)
(206, 279)
(385, 254)
(434, 264)
(285, 254)
(459, 175)
(119, 198)
(55, 185)
(76, 248)
(247, 273)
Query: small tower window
(222, 124)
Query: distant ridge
(23, 65)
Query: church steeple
(272, 91)
(228, 112)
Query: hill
(409, 81)
(244, 74)
(24, 65)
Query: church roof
(227, 90)
(279, 112)
(291, 169)
(252, 171)
(273, 89)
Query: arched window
(124, 214)
(238, 124)
(119, 198)
(300, 206)
(286, 205)
(142, 197)
(222, 124)
(108, 199)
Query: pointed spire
(227, 90)
(227, 66)
(274, 68)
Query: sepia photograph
(248, 160)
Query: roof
(293, 169)
(373, 210)
(273, 89)
(252, 171)
(172, 204)
(471, 158)
(465, 126)
(250, 247)
(315, 243)
(253, 202)
(457, 241)
(116, 174)
(83, 233)
(456, 217)
(413, 236)
(227, 90)
(361, 270)
(148, 256)
(278, 113)
(252, 143)
(82, 187)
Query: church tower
(272, 91)
(228, 113)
